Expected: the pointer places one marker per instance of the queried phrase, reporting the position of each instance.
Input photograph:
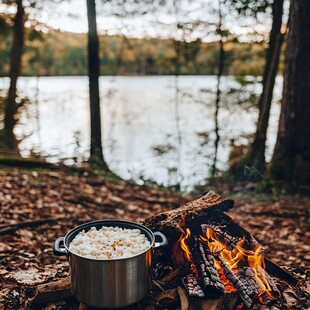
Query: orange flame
(257, 263)
(232, 257)
(184, 246)
(187, 251)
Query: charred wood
(247, 293)
(174, 221)
(271, 282)
(234, 229)
(275, 270)
(192, 286)
(247, 277)
(230, 241)
(204, 263)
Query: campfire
(212, 258)
(210, 263)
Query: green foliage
(4, 26)
(249, 7)
(63, 53)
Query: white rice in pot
(109, 243)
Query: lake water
(159, 128)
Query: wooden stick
(52, 291)
(183, 298)
(170, 275)
(7, 228)
(277, 271)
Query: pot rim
(89, 224)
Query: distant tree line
(62, 53)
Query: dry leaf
(32, 276)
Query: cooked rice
(109, 243)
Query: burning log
(191, 284)
(247, 277)
(246, 293)
(204, 263)
(229, 240)
(175, 219)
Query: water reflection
(142, 137)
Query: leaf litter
(37, 207)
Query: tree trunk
(178, 49)
(96, 154)
(218, 91)
(291, 156)
(11, 106)
(256, 156)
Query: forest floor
(40, 205)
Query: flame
(239, 253)
(184, 246)
(187, 251)
(234, 257)
(257, 263)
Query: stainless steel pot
(110, 283)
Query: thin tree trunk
(291, 158)
(178, 47)
(218, 91)
(256, 154)
(11, 106)
(96, 154)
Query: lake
(158, 128)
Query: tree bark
(256, 156)
(11, 105)
(96, 153)
(291, 156)
(218, 90)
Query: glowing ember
(240, 307)
(229, 287)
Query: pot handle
(58, 251)
(163, 238)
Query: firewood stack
(213, 258)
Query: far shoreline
(136, 75)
